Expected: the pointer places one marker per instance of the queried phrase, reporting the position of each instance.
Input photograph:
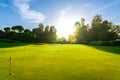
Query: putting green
(60, 62)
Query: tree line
(98, 30)
(40, 34)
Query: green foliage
(40, 34)
(47, 34)
(62, 40)
(7, 29)
(6, 41)
(116, 42)
(81, 33)
(101, 43)
(99, 31)
(106, 43)
(71, 39)
(18, 28)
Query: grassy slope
(59, 62)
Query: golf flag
(10, 62)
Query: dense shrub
(7, 40)
(105, 43)
(101, 43)
(117, 43)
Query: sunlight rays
(65, 23)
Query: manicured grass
(60, 62)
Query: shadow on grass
(15, 44)
(7, 43)
(112, 49)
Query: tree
(7, 32)
(96, 21)
(82, 21)
(105, 33)
(18, 28)
(40, 34)
(27, 35)
(116, 29)
(13, 28)
(71, 38)
(41, 27)
(27, 31)
(46, 34)
(52, 34)
(47, 29)
(2, 34)
(7, 29)
(35, 34)
(81, 33)
(1, 31)
(99, 31)
(95, 27)
(62, 40)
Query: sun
(65, 26)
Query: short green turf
(60, 62)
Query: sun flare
(65, 26)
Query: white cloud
(108, 5)
(63, 13)
(28, 14)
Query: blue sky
(61, 13)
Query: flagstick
(10, 62)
